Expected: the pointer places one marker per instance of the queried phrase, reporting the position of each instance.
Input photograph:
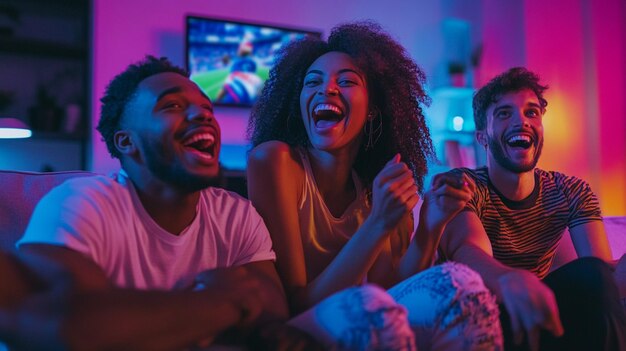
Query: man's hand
(394, 193)
(238, 286)
(531, 306)
(447, 196)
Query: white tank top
(323, 235)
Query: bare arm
(17, 281)
(275, 181)
(590, 239)
(464, 240)
(448, 195)
(95, 315)
(274, 300)
(530, 304)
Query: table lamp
(13, 128)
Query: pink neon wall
(609, 45)
(578, 47)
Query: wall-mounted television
(230, 60)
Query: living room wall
(577, 47)
(125, 31)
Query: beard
(161, 162)
(498, 154)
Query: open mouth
(520, 141)
(203, 144)
(327, 115)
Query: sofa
(616, 232)
(21, 191)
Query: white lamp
(13, 128)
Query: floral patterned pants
(446, 307)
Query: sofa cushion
(615, 231)
(19, 193)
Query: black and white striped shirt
(525, 234)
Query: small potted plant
(6, 99)
(45, 115)
(9, 16)
(475, 59)
(456, 71)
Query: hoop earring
(373, 128)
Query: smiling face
(334, 103)
(175, 134)
(514, 133)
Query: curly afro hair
(513, 80)
(395, 88)
(121, 90)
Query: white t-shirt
(104, 219)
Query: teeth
(515, 138)
(327, 107)
(200, 137)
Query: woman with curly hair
(340, 152)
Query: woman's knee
(440, 285)
(470, 298)
(451, 308)
(463, 279)
(362, 318)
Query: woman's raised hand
(394, 193)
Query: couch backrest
(19, 193)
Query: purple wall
(579, 48)
(124, 31)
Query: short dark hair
(513, 80)
(395, 85)
(120, 91)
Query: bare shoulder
(275, 155)
(274, 168)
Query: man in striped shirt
(510, 229)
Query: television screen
(231, 60)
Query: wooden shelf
(47, 45)
(41, 135)
(26, 46)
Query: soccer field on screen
(211, 82)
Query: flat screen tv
(230, 60)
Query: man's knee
(588, 305)
(586, 279)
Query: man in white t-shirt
(154, 257)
